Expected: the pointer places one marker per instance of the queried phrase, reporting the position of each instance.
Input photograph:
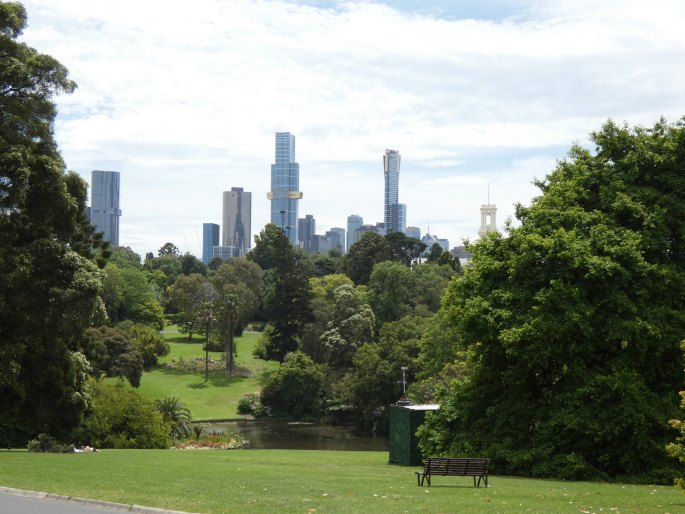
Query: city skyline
(185, 102)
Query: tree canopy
(573, 321)
(49, 283)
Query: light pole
(404, 381)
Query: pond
(283, 435)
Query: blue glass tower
(285, 185)
(210, 239)
(391, 168)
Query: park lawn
(266, 481)
(218, 397)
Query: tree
(573, 321)
(175, 414)
(405, 249)
(150, 343)
(295, 388)
(352, 324)
(389, 286)
(428, 284)
(191, 264)
(286, 293)
(434, 253)
(112, 352)
(186, 295)
(49, 282)
(124, 257)
(378, 367)
(168, 249)
(127, 295)
(364, 254)
(163, 270)
(237, 282)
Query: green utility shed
(405, 419)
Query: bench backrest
(456, 466)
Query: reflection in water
(272, 434)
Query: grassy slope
(307, 482)
(218, 397)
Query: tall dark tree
(49, 283)
(364, 254)
(573, 321)
(168, 249)
(405, 249)
(286, 292)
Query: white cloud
(184, 100)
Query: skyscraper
(285, 185)
(237, 219)
(391, 169)
(306, 228)
(210, 239)
(341, 238)
(104, 204)
(354, 221)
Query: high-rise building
(210, 239)
(285, 185)
(414, 232)
(306, 228)
(430, 239)
(341, 238)
(391, 169)
(354, 221)
(237, 219)
(104, 204)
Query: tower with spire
(488, 217)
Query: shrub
(45, 443)
(251, 403)
(121, 418)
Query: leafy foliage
(112, 352)
(364, 254)
(296, 388)
(676, 449)
(176, 414)
(49, 282)
(121, 418)
(573, 321)
(286, 294)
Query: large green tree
(364, 254)
(573, 321)
(237, 283)
(49, 284)
(286, 293)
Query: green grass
(218, 397)
(256, 481)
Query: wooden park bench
(454, 467)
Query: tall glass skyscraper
(285, 185)
(354, 221)
(104, 204)
(210, 239)
(237, 219)
(391, 168)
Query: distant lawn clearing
(274, 481)
(218, 397)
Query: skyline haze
(184, 101)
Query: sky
(479, 97)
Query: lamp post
(404, 380)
